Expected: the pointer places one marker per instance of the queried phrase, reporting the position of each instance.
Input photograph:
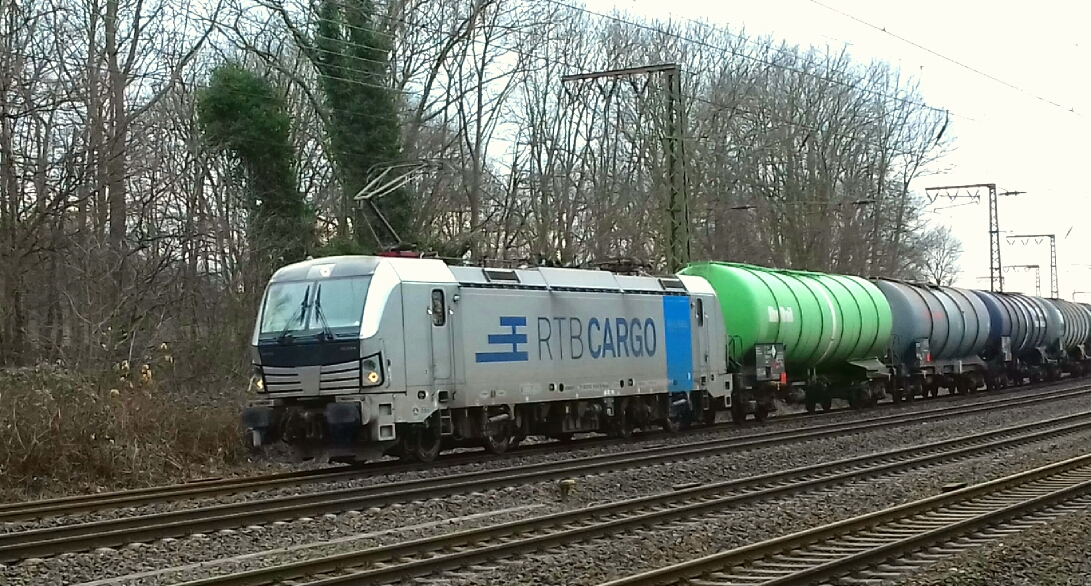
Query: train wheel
(674, 415)
(761, 414)
(423, 444)
(827, 404)
(672, 424)
(498, 443)
(811, 405)
(497, 438)
(623, 421)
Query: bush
(64, 432)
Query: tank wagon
(356, 357)
(1024, 339)
(1070, 353)
(938, 336)
(800, 336)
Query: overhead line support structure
(678, 237)
(1037, 276)
(952, 192)
(1055, 290)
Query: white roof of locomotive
(426, 270)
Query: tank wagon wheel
(761, 414)
(738, 413)
(812, 405)
(827, 404)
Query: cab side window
(439, 308)
(700, 312)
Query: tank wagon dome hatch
(823, 320)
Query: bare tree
(937, 255)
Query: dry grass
(63, 432)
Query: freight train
(359, 357)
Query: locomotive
(359, 357)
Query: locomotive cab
(328, 354)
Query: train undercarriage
(312, 434)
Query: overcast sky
(1012, 136)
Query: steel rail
(50, 541)
(457, 550)
(217, 487)
(835, 550)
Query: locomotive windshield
(331, 308)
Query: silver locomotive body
(358, 357)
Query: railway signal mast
(953, 192)
(1026, 238)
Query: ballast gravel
(793, 419)
(1053, 554)
(578, 564)
(602, 560)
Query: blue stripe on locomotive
(679, 343)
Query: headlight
(258, 378)
(371, 371)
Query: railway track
(38, 543)
(218, 487)
(455, 551)
(891, 543)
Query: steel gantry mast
(1055, 290)
(678, 241)
(952, 192)
(1037, 275)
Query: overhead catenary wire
(948, 59)
(544, 60)
(708, 45)
(530, 56)
(677, 36)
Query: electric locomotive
(357, 357)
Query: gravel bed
(1052, 554)
(500, 463)
(602, 560)
(413, 516)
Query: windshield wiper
(321, 314)
(284, 335)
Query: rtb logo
(514, 338)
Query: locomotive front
(322, 364)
